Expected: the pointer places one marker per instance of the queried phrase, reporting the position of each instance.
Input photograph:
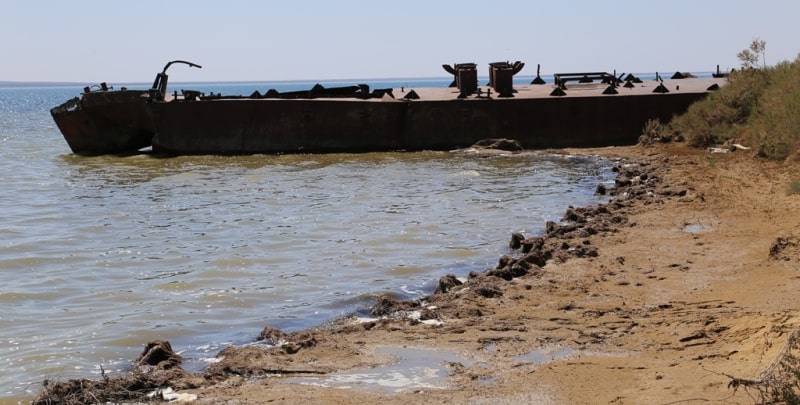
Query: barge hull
(250, 126)
(94, 127)
(233, 127)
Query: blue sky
(129, 41)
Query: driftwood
(780, 382)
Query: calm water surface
(100, 255)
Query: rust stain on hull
(105, 123)
(322, 126)
(108, 121)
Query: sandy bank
(686, 278)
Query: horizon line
(55, 83)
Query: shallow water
(100, 255)
(412, 369)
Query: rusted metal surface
(466, 77)
(247, 126)
(561, 79)
(501, 77)
(159, 89)
(108, 121)
(355, 119)
(105, 122)
(438, 120)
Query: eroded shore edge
(279, 353)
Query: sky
(89, 41)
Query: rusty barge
(106, 121)
(577, 110)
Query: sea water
(99, 255)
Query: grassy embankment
(758, 108)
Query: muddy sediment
(644, 306)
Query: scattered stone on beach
(489, 291)
(247, 361)
(386, 306)
(785, 248)
(258, 361)
(298, 341)
(517, 268)
(568, 239)
(537, 257)
(446, 283)
(272, 336)
(516, 241)
(157, 355)
(510, 145)
(492, 147)
(532, 243)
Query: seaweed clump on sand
(156, 367)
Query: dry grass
(780, 382)
(759, 108)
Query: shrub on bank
(774, 125)
(723, 115)
(758, 107)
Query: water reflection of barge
(584, 109)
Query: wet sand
(684, 280)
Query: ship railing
(587, 77)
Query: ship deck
(525, 91)
(438, 119)
(690, 85)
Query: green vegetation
(759, 108)
(794, 186)
(775, 123)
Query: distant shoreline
(7, 84)
(37, 84)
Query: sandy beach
(681, 289)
